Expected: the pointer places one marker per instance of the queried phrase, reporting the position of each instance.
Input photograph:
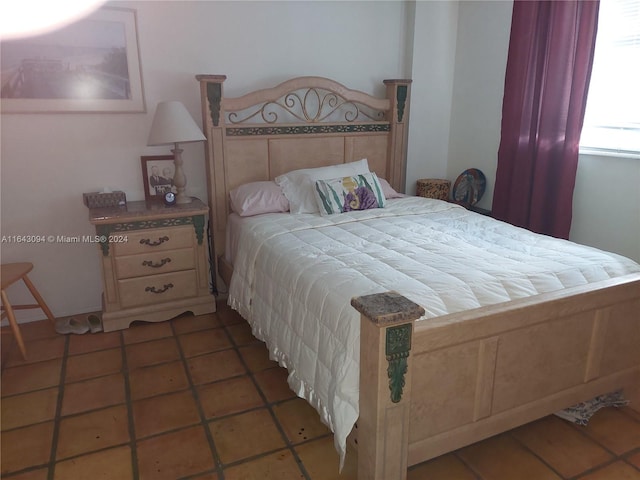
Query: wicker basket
(437, 188)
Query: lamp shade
(172, 123)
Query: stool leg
(14, 324)
(39, 299)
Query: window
(612, 119)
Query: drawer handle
(162, 290)
(147, 241)
(149, 263)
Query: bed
(461, 328)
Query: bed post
(386, 328)
(212, 124)
(399, 94)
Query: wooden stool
(10, 273)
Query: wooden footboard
(430, 387)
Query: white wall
(49, 160)
(432, 71)
(606, 204)
(481, 59)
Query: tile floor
(198, 398)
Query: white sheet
(294, 277)
(234, 230)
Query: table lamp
(173, 124)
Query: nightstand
(154, 261)
(473, 208)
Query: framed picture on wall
(157, 175)
(92, 65)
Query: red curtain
(547, 78)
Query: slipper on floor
(68, 325)
(95, 324)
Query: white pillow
(298, 185)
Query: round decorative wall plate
(469, 187)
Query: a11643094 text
(64, 239)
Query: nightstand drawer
(153, 263)
(155, 239)
(157, 288)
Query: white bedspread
(294, 277)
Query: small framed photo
(157, 175)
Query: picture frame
(92, 65)
(162, 167)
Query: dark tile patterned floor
(198, 398)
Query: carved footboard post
(386, 328)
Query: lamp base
(179, 178)
(182, 199)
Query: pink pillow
(258, 197)
(388, 190)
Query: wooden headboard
(304, 122)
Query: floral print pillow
(345, 194)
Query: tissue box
(101, 199)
